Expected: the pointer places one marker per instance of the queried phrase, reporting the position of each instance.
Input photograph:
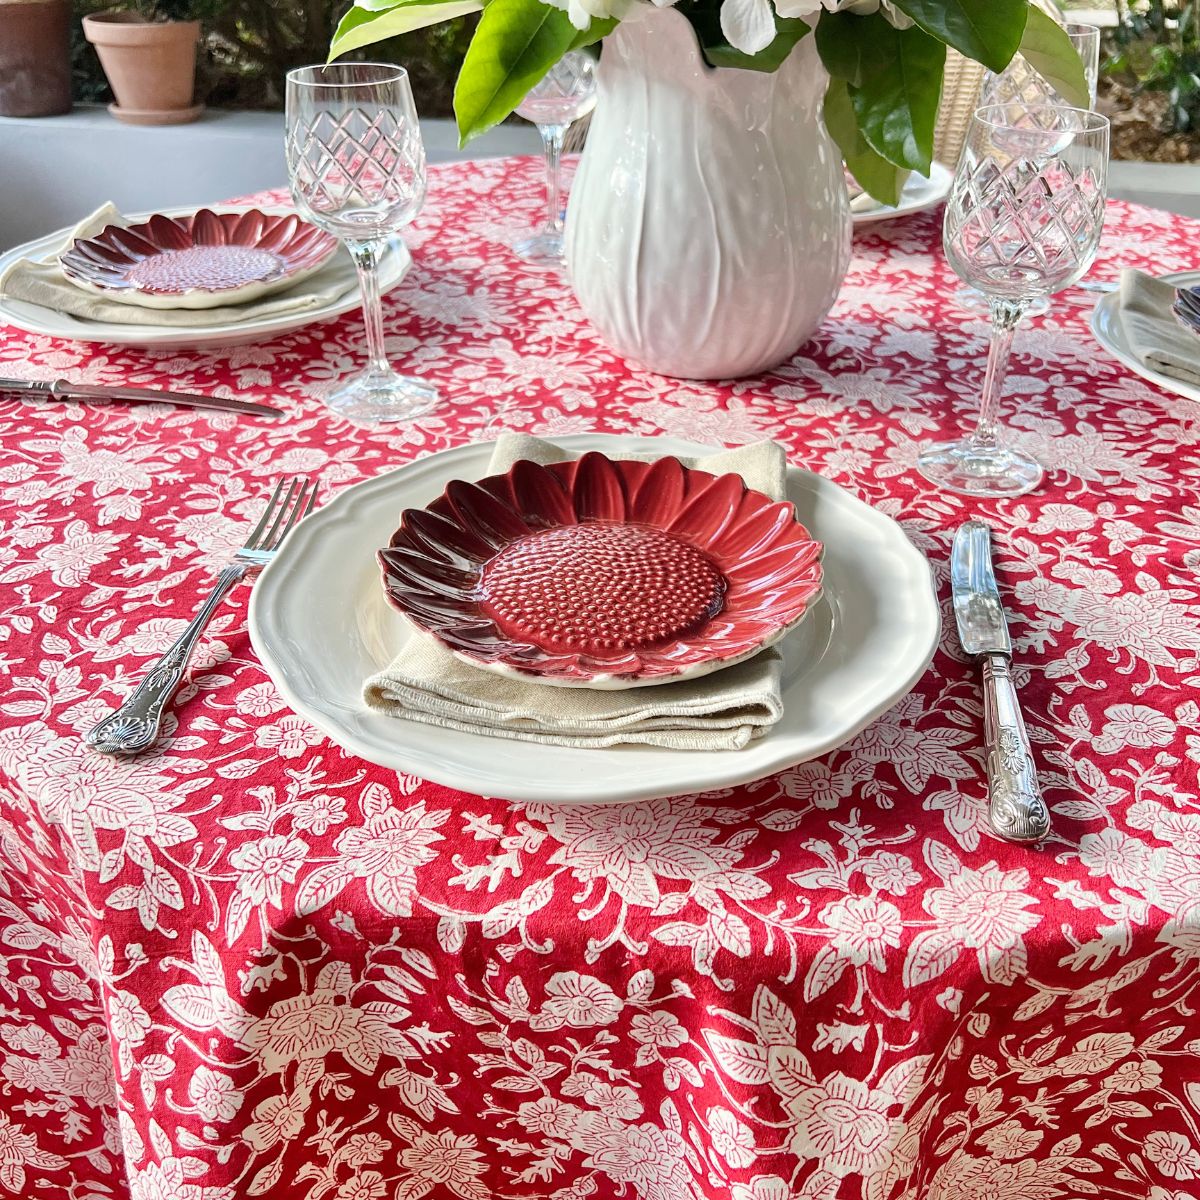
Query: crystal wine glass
(567, 93)
(1020, 86)
(1023, 221)
(357, 170)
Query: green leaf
(1047, 49)
(363, 27)
(789, 30)
(839, 46)
(516, 43)
(988, 31)
(882, 179)
(896, 104)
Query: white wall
(55, 170)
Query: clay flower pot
(35, 58)
(151, 66)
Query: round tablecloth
(249, 963)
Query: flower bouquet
(708, 231)
(884, 57)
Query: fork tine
(299, 509)
(312, 500)
(268, 539)
(256, 533)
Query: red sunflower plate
(198, 261)
(601, 573)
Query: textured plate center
(214, 268)
(601, 588)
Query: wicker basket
(960, 97)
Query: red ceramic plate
(200, 261)
(599, 573)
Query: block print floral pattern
(247, 964)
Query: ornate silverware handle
(134, 726)
(1016, 809)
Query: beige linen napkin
(42, 282)
(721, 711)
(1156, 336)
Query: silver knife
(64, 389)
(1016, 810)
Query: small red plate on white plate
(201, 261)
(601, 573)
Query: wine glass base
(379, 398)
(971, 471)
(973, 300)
(542, 248)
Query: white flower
(1172, 1154)
(258, 700)
(864, 928)
(366, 1185)
(620, 1103)
(730, 1138)
(214, 1095)
(657, 1029)
(128, 1020)
(1010, 1139)
(265, 865)
(844, 1124)
(444, 1160)
(277, 1119)
(386, 851)
(1182, 830)
(290, 736)
(582, 12)
(985, 908)
(890, 873)
(1134, 725)
(19, 1150)
(315, 814)
(576, 1000)
(631, 845)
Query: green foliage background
(249, 45)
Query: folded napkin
(721, 711)
(1157, 338)
(42, 282)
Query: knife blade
(1016, 809)
(64, 389)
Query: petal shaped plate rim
(78, 260)
(671, 661)
(867, 666)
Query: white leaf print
(824, 971)
(775, 1021)
(451, 933)
(732, 933)
(932, 953)
(376, 799)
(640, 986)
(743, 1062)
(266, 1178)
(316, 890)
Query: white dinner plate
(320, 625)
(917, 195)
(1110, 333)
(33, 318)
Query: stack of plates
(184, 259)
(321, 623)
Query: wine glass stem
(366, 257)
(552, 143)
(1006, 316)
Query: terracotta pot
(151, 66)
(35, 58)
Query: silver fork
(134, 726)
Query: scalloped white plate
(917, 195)
(320, 624)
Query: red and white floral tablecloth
(250, 963)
